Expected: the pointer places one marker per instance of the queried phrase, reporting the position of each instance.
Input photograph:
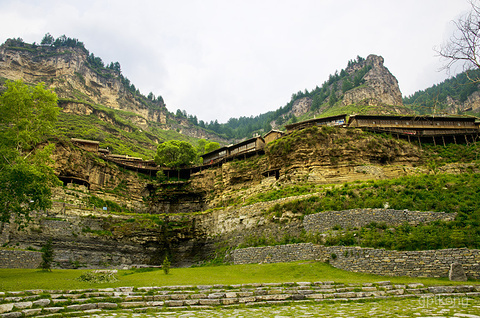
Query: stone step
(42, 303)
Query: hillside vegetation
(456, 95)
(98, 102)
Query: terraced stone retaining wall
(164, 299)
(324, 221)
(20, 259)
(431, 263)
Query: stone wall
(431, 263)
(20, 259)
(276, 254)
(324, 221)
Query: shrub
(166, 265)
(99, 276)
(47, 256)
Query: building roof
(83, 141)
(214, 151)
(410, 117)
(315, 120)
(247, 141)
(273, 131)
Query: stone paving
(300, 299)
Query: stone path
(380, 308)
(301, 299)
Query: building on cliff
(88, 145)
(273, 135)
(244, 149)
(339, 120)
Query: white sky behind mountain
(232, 58)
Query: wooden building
(250, 145)
(215, 155)
(436, 129)
(88, 145)
(420, 125)
(339, 120)
(273, 135)
(245, 148)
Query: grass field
(26, 279)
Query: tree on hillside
(464, 45)
(47, 39)
(205, 146)
(175, 154)
(26, 177)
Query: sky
(231, 58)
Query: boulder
(456, 273)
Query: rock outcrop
(380, 88)
(68, 71)
(301, 106)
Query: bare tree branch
(463, 46)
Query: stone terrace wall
(276, 254)
(431, 263)
(324, 221)
(20, 259)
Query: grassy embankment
(27, 279)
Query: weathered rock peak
(380, 88)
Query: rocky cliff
(78, 83)
(190, 221)
(380, 86)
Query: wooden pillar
(454, 139)
(419, 142)
(434, 143)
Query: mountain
(97, 101)
(457, 95)
(366, 86)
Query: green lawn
(25, 279)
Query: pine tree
(47, 256)
(166, 265)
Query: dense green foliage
(434, 100)
(175, 154)
(441, 192)
(28, 115)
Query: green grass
(27, 279)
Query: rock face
(456, 273)
(471, 104)
(68, 72)
(380, 88)
(301, 106)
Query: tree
(211, 146)
(175, 154)
(166, 265)
(47, 256)
(47, 39)
(26, 176)
(346, 85)
(333, 98)
(464, 45)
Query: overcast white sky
(232, 58)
